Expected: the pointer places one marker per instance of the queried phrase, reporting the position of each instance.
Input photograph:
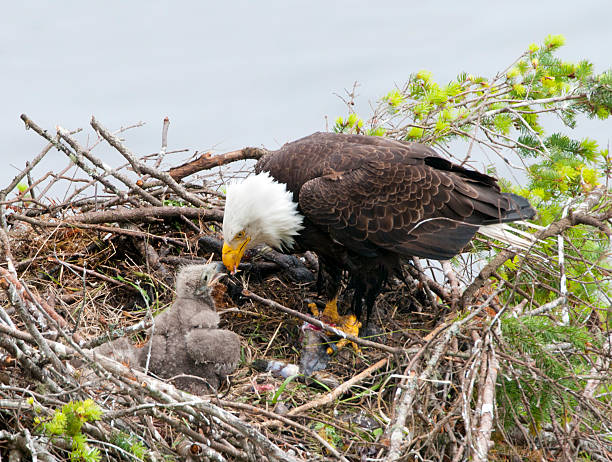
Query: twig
(486, 407)
(396, 430)
(164, 146)
(141, 168)
(123, 215)
(330, 397)
(164, 143)
(106, 229)
(546, 307)
(82, 152)
(17, 179)
(77, 158)
(96, 274)
(430, 284)
(554, 229)
(449, 272)
(13, 284)
(17, 299)
(562, 274)
(287, 421)
(207, 161)
(116, 333)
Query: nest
(100, 263)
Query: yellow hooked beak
(233, 255)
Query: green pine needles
(131, 444)
(67, 423)
(537, 82)
(530, 392)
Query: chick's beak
(218, 275)
(233, 255)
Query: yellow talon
(348, 323)
(330, 313)
(313, 309)
(351, 326)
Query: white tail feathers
(510, 235)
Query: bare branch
(207, 161)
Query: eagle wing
(411, 211)
(371, 193)
(402, 198)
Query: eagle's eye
(240, 235)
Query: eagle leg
(347, 324)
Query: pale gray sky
(237, 73)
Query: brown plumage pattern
(368, 201)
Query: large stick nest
(100, 262)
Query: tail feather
(509, 236)
(520, 208)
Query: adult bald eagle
(361, 203)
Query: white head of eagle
(258, 210)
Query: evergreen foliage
(67, 423)
(533, 336)
(131, 444)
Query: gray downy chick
(186, 341)
(186, 344)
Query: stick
(82, 152)
(7, 280)
(77, 158)
(123, 215)
(26, 171)
(449, 272)
(286, 421)
(340, 390)
(142, 168)
(106, 229)
(579, 216)
(206, 161)
(563, 279)
(483, 441)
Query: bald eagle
(362, 204)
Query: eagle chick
(186, 345)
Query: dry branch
(486, 409)
(329, 398)
(207, 161)
(10, 283)
(141, 168)
(577, 216)
(143, 214)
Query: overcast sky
(234, 74)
